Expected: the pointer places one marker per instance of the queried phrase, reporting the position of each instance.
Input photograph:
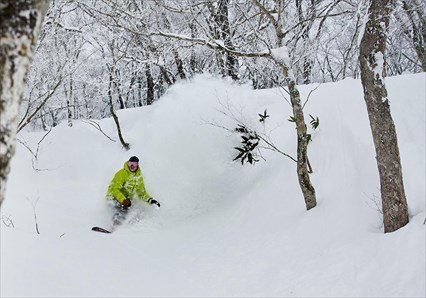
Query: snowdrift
(223, 229)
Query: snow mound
(223, 229)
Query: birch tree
(412, 24)
(20, 23)
(277, 51)
(372, 64)
(321, 38)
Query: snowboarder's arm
(114, 188)
(141, 191)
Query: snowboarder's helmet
(134, 158)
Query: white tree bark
(20, 23)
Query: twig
(376, 203)
(309, 95)
(34, 158)
(310, 171)
(34, 204)
(7, 221)
(48, 94)
(98, 127)
(274, 148)
(229, 113)
(281, 89)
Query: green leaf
(263, 116)
(241, 129)
(314, 122)
(242, 160)
(239, 156)
(253, 146)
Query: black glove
(152, 201)
(126, 203)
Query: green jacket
(127, 185)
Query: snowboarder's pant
(119, 211)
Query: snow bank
(222, 229)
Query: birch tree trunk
(281, 56)
(372, 64)
(231, 62)
(418, 27)
(114, 115)
(20, 23)
(305, 184)
(149, 85)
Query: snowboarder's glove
(126, 203)
(152, 201)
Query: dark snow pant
(120, 213)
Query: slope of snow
(223, 229)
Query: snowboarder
(126, 186)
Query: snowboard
(115, 224)
(102, 230)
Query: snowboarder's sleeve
(142, 193)
(114, 188)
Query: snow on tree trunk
(20, 22)
(372, 62)
(281, 56)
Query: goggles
(133, 164)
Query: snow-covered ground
(223, 229)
